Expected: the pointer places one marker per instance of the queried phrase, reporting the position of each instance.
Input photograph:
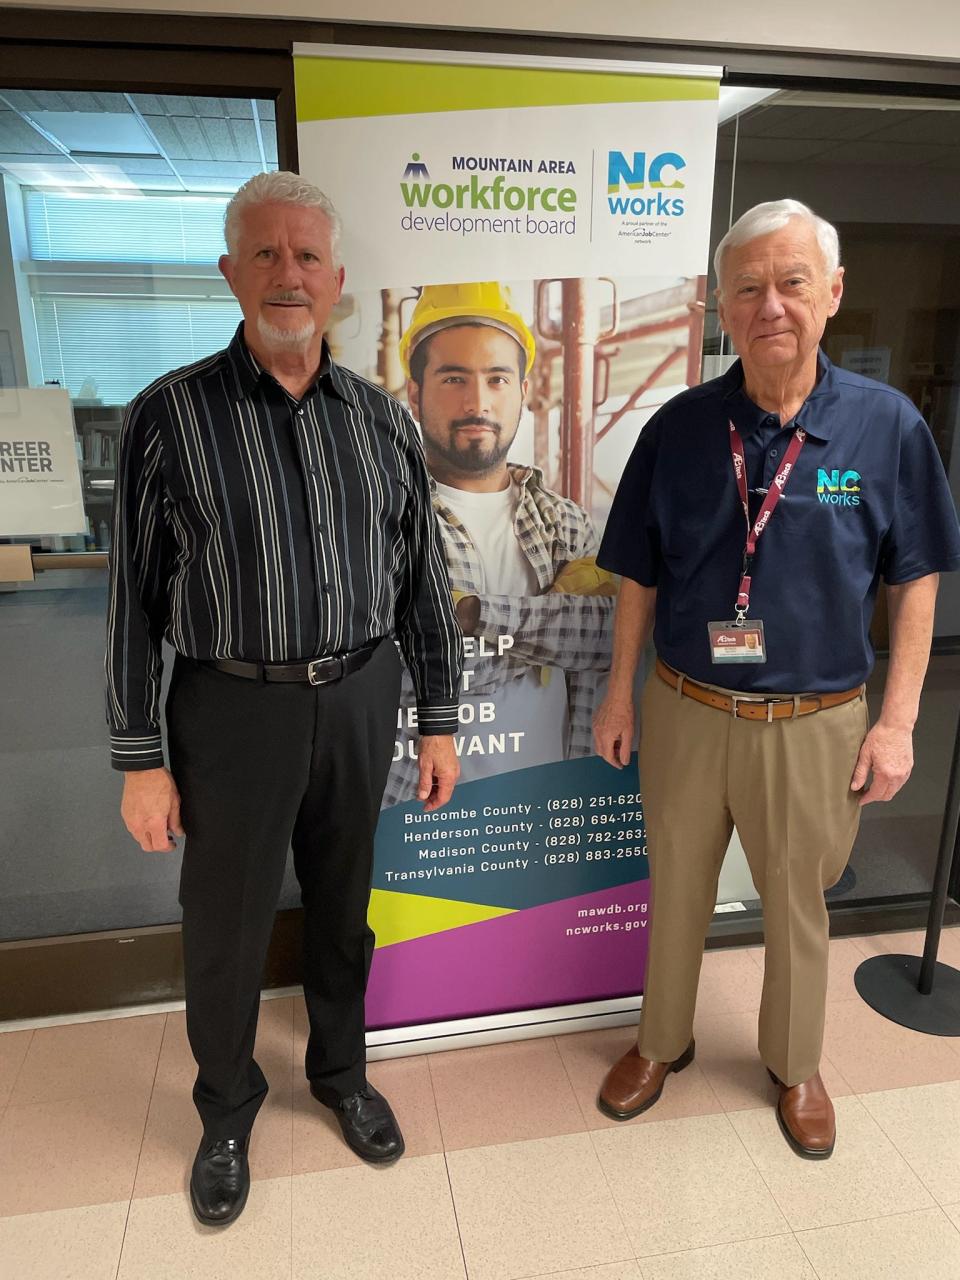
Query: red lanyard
(774, 494)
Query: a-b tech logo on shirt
(658, 173)
(838, 488)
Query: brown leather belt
(754, 706)
(318, 671)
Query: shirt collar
(524, 477)
(818, 415)
(248, 371)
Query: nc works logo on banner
(629, 174)
(489, 194)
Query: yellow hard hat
(443, 306)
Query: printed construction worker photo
(534, 607)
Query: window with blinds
(106, 349)
(82, 226)
(98, 334)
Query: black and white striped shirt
(249, 525)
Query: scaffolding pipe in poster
(651, 328)
(698, 315)
(639, 392)
(650, 306)
(542, 401)
(389, 368)
(588, 338)
(580, 331)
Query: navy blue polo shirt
(867, 498)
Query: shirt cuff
(132, 753)
(435, 718)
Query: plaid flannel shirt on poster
(554, 629)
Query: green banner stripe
(339, 88)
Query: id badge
(730, 643)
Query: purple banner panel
(592, 947)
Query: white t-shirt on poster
(533, 702)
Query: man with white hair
(273, 523)
(754, 521)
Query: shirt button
(299, 413)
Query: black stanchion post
(945, 857)
(923, 994)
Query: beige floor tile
(165, 1242)
(773, 1258)
(404, 1082)
(588, 1057)
(503, 1093)
(907, 1246)
(274, 1046)
(609, 1271)
(910, 943)
(923, 1124)
(68, 1244)
(864, 1178)
(953, 1213)
(82, 1059)
(727, 1056)
(376, 1224)
(530, 1208)
(684, 1184)
(176, 1066)
(951, 940)
(874, 1054)
(755, 954)
(845, 958)
(173, 1126)
(730, 981)
(59, 1155)
(13, 1050)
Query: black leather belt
(316, 672)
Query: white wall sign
(40, 489)
(870, 362)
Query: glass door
(111, 224)
(884, 170)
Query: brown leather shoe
(634, 1083)
(806, 1117)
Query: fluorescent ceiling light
(97, 132)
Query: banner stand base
(466, 1033)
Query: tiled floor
(510, 1170)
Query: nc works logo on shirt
(637, 173)
(838, 488)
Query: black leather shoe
(369, 1126)
(220, 1180)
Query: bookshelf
(98, 438)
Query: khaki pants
(785, 786)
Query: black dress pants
(260, 767)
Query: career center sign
(40, 489)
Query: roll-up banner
(525, 245)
